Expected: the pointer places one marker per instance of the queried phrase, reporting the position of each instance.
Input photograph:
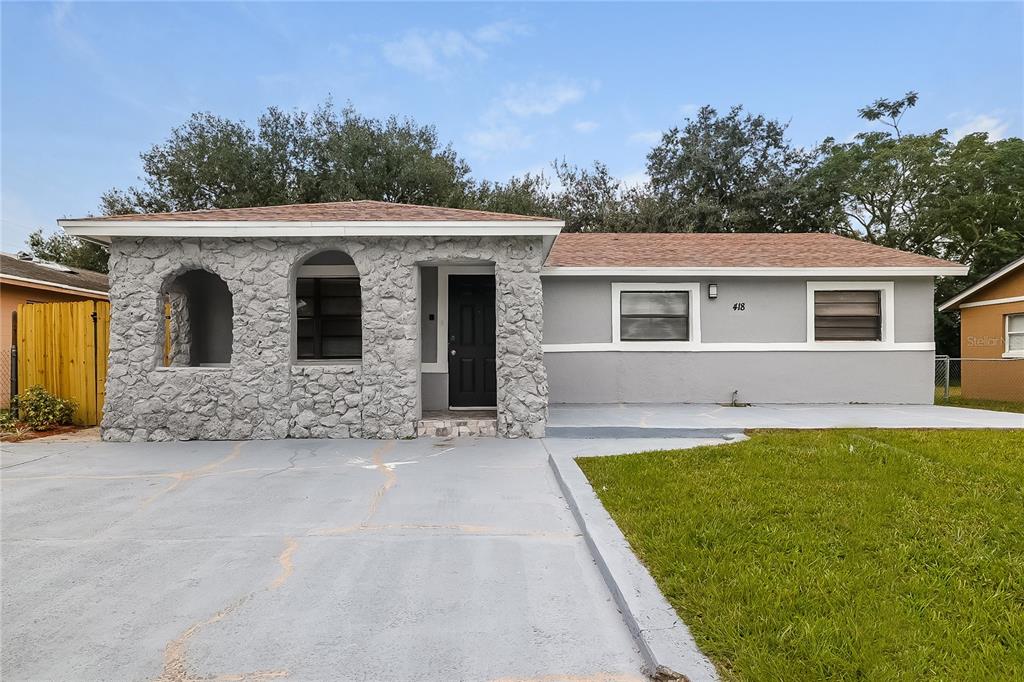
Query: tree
(925, 194)
(67, 250)
(977, 213)
(212, 162)
(526, 195)
(735, 173)
(882, 179)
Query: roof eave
(969, 291)
(668, 271)
(106, 229)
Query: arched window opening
(328, 308)
(197, 321)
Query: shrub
(8, 422)
(41, 411)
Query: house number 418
(739, 306)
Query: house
(357, 318)
(24, 280)
(992, 331)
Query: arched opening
(198, 320)
(328, 308)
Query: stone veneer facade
(265, 393)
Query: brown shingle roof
(744, 250)
(337, 211)
(13, 266)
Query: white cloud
(501, 32)
(499, 139)
(536, 99)
(646, 137)
(689, 109)
(433, 53)
(500, 130)
(982, 123)
(428, 53)
(585, 127)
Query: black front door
(472, 377)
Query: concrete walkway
(304, 560)
(688, 420)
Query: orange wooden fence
(64, 347)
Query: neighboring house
(23, 280)
(992, 328)
(355, 318)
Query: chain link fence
(979, 379)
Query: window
(654, 316)
(1015, 335)
(329, 323)
(654, 312)
(848, 315)
(328, 308)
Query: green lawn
(955, 400)
(844, 554)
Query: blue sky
(87, 86)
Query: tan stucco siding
(983, 337)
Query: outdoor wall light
(712, 291)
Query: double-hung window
(653, 312)
(1014, 336)
(329, 324)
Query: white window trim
(693, 317)
(1007, 353)
(443, 271)
(888, 300)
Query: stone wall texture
(264, 392)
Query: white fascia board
(270, 228)
(54, 285)
(992, 301)
(768, 347)
(985, 282)
(564, 271)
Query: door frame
(443, 272)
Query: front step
(448, 425)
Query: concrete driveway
(304, 560)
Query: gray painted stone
(264, 393)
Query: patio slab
(696, 421)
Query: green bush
(8, 422)
(41, 411)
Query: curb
(592, 432)
(668, 649)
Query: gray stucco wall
(760, 377)
(578, 309)
(264, 393)
(435, 390)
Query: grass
(842, 554)
(956, 400)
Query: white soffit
(103, 229)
